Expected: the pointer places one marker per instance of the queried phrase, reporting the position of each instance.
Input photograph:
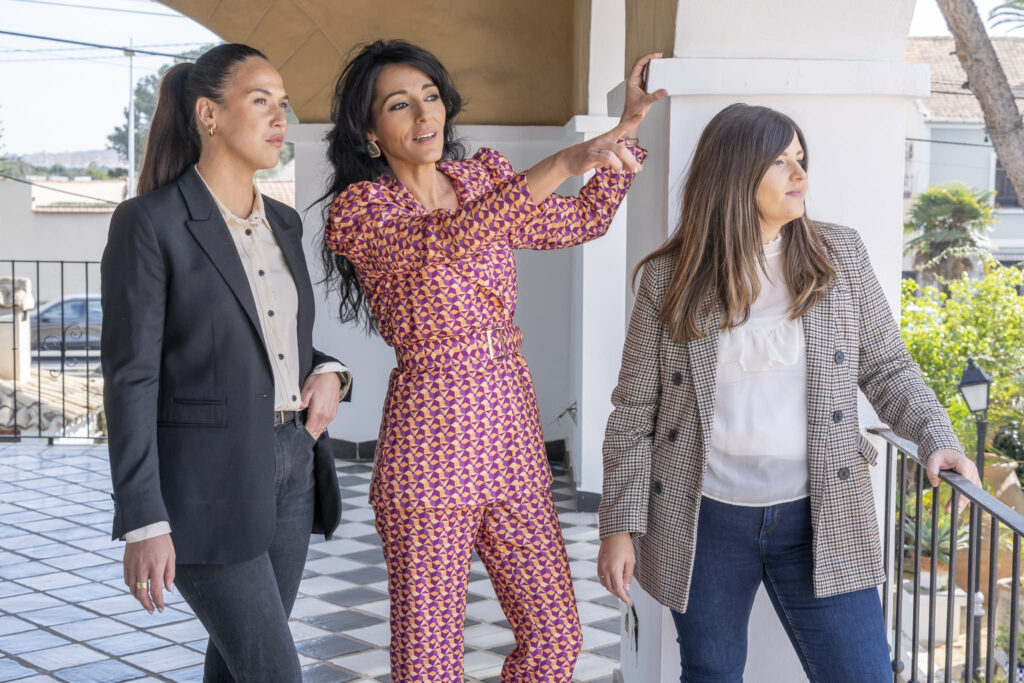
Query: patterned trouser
(428, 552)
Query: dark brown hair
(718, 238)
(174, 142)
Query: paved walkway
(65, 614)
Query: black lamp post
(974, 386)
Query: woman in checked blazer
(733, 456)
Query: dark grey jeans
(245, 606)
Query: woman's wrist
(628, 132)
(563, 164)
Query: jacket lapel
(211, 232)
(703, 354)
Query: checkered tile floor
(65, 615)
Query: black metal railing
(53, 389)
(929, 529)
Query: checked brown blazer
(656, 442)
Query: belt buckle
(492, 353)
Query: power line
(126, 50)
(966, 94)
(54, 189)
(95, 60)
(83, 49)
(96, 7)
(950, 142)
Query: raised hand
(603, 151)
(638, 100)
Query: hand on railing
(950, 459)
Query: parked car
(73, 323)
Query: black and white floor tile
(65, 615)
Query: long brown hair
(174, 142)
(718, 238)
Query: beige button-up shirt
(277, 302)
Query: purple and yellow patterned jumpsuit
(460, 460)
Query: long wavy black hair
(352, 116)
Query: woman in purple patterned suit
(420, 241)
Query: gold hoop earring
(213, 127)
(373, 149)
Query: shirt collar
(256, 216)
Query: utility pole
(131, 118)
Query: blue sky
(69, 98)
(56, 98)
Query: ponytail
(174, 142)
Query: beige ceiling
(514, 61)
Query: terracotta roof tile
(950, 99)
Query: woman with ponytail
(420, 242)
(219, 460)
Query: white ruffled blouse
(758, 452)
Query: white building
(947, 141)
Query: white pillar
(607, 48)
(599, 306)
(841, 77)
(369, 358)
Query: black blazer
(188, 388)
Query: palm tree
(1011, 12)
(951, 225)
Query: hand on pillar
(638, 100)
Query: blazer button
(656, 486)
(840, 357)
(677, 378)
(837, 416)
(844, 473)
(673, 434)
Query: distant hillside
(103, 158)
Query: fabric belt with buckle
(284, 416)
(476, 349)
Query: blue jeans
(838, 639)
(245, 606)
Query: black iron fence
(50, 327)
(949, 624)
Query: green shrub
(981, 319)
